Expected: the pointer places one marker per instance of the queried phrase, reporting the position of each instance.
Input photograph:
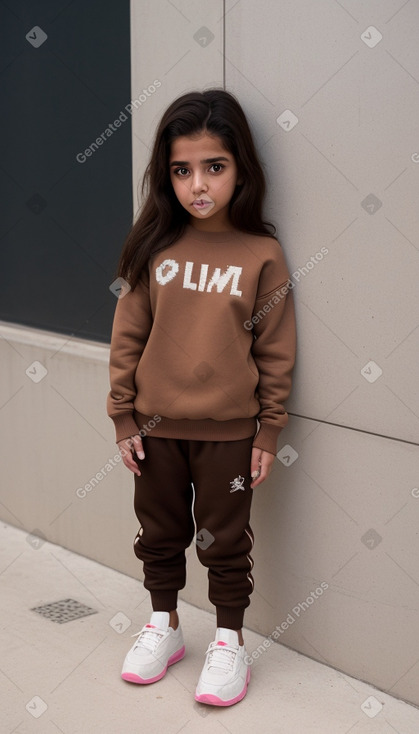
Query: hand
(261, 462)
(127, 447)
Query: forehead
(196, 147)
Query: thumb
(138, 446)
(255, 463)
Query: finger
(138, 446)
(261, 477)
(126, 448)
(131, 464)
(255, 463)
(257, 480)
(255, 467)
(265, 465)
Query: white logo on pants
(237, 484)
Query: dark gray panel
(63, 221)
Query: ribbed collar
(197, 234)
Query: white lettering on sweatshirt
(164, 278)
(169, 268)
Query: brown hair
(162, 219)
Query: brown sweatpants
(166, 504)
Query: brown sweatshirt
(204, 346)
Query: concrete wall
(333, 109)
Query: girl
(202, 352)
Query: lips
(203, 205)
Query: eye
(219, 166)
(181, 172)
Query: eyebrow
(206, 160)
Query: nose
(198, 183)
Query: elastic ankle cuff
(230, 617)
(164, 601)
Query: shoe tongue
(160, 620)
(224, 636)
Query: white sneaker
(225, 675)
(157, 647)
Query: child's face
(204, 176)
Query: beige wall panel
(179, 44)
(356, 136)
(57, 445)
(345, 513)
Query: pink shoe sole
(215, 701)
(132, 678)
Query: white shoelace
(148, 638)
(221, 656)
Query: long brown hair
(162, 219)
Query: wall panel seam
(353, 428)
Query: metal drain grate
(64, 610)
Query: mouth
(203, 205)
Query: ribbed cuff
(267, 437)
(230, 617)
(125, 425)
(164, 601)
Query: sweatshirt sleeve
(273, 349)
(131, 327)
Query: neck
(213, 236)
(211, 225)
